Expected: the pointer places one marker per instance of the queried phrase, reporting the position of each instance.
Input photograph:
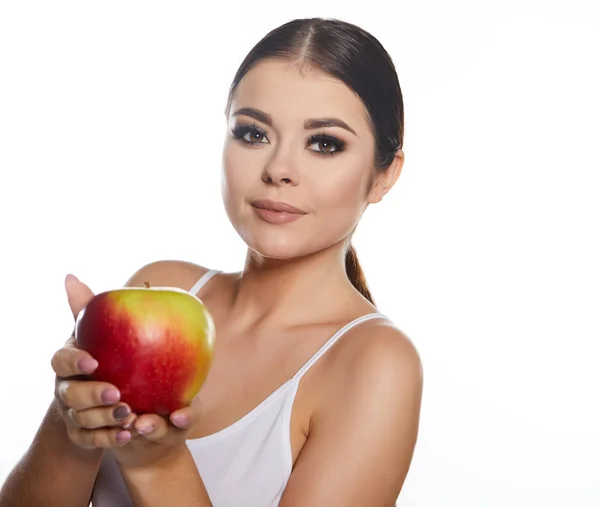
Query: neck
(276, 292)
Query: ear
(384, 181)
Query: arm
(363, 433)
(176, 484)
(35, 481)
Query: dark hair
(352, 55)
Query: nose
(280, 171)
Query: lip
(276, 212)
(281, 207)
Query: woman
(313, 397)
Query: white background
(485, 253)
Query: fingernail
(87, 365)
(123, 437)
(180, 420)
(69, 279)
(110, 396)
(120, 413)
(144, 430)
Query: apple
(155, 344)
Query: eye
(249, 134)
(326, 145)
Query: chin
(281, 248)
(289, 245)
(281, 242)
(286, 242)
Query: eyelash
(239, 131)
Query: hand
(156, 440)
(93, 414)
(91, 410)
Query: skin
(356, 415)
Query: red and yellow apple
(155, 344)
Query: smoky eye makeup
(248, 133)
(331, 144)
(251, 134)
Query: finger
(128, 423)
(85, 394)
(69, 361)
(151, 426)
(65, 414)
(78, 294)
(104, 438)
(69, 417)
(184, 417)
(94, 418)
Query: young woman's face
(274, 153)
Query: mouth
(276, 212)
(279, 207)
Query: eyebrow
(310, 123)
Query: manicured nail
(69, 279)
(121, 412)
(129, 421)
(180, 420)
(110, 396)
(123, 437)
(144, 430)
(87, 365)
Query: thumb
(78, 294)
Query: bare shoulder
(170, 273)
(375, 361)
(365, 421)
(381, 349)
(377, 351)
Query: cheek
(236, 179)
(341, 193)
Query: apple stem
(147, 285)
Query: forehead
(289, 92)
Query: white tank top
(245, 464)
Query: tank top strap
(329, 343)
(203, 280)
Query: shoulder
(365, 423)
(382, 350)
(376, 362)
(173, 273)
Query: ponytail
(356, 275)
